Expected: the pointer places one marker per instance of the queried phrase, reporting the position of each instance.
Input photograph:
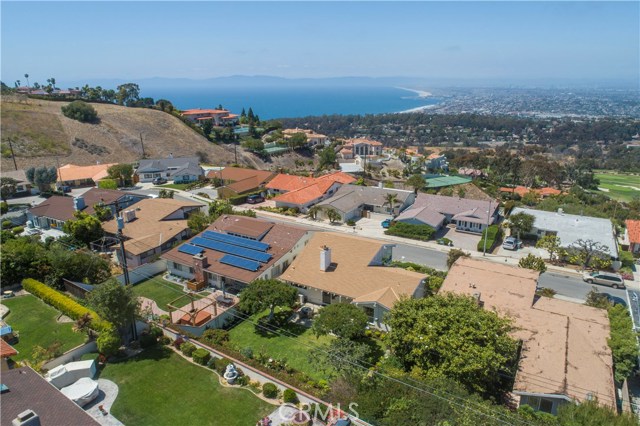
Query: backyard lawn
(37, 325)
(622, 187)
(161, 291)
(183, 394)
(295, 349)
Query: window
(177, 266)
(546, 405)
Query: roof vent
(26, 418)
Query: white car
(511, 243)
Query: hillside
(40, 133)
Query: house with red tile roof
(360, 147)
(313, 138)
(72, 175)
(633, 235)
(219, 116)
(302, 192)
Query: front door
(326, 298)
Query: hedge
(148, 340)
(408, 230)
(64, 304)
(201, 356)
(289, 396)
(493, 233)
(188, 348)
(269, 390)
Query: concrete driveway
(461, 240)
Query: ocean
(281, 102)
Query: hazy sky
(512, 40)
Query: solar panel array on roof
(190, 249)
(239, 262)
(238, 241)
(232, 249)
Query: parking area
(461, 240)
(526, 249)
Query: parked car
(615, 300)
(255, 199)
(159, 181)
(444, 242)
(511, 243)
(604, 278)
(386, 223)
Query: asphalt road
(574, 287)
(420, 255)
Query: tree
(391, 199)
(453, 336)
(42, 177)
(297, 140)
(588, 250)
(348, 357)
(102, 213)
(327, 158)
(622, 342)
(165, 193)
(345, 320)
(267, 294)
(109, 342)
(455, 254)
(75, 265)
(592, 413)
(83, 325)
(80, 111)
(127, 94)
(333, 215)
(108, 184)
(218, 208)
(7, 187)
(26, 76)
(521, 223)
(532, 262)
(313, 211)
(596, 299)
(417, 182)
(198, 222)
(114, 302)
(84, 228)
(253, 144)
(22, 258)
(550, 243)
(207, 128)
(123, 173)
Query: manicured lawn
(296, 348)
(158, 387)
(161, 291)
(620, 186)
(179, 186)
(37, 325)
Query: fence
(143, 272)
(72, 355)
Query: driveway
(461, 240)
(526, 250)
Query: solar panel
(238, 241)
(239, 262)
(231, 249)
(190, 249)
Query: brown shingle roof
(235, 174)
(564, 348)
(28, 390)
(351, 275)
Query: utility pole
(13, 156)
(125, 269)
(486, 231)
(142, 145)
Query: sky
(77, 41)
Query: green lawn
(295, 349)
(179, 186)
(620, 186)
(160, 290)
(37, 325)
(182, 393)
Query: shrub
(187, 348)
(18, 230)
(108, 342)
(165, 340)
(242, 380)
(6, 224)
(408, 230)
(247, 352)
(108, 184)
(454, 255)
(201, 356)
(220, 365)
(622, 342)
(155, 331)
(546, 292)
(64, 304)
(147, 340)
(289, 396)
(351, 222)
(4, 207)
(215, 336)
(492, 234)
(533, 262)
(80, 111)
(269, 390)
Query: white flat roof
(571, 227)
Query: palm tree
(314, 211)
(83, 325)
(390, 199)
(333, 215)
(27, 77)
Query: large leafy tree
(350, 358)
(266, 294)
(22, 258)
(198, 222)
(84, 228)
(327, 158)
(451, 335)
(588, 250)
(7, 187)
(42, 177)
(127, 94)
(114, 302)
(80, 111)
(417, 182)
(123, 173)
(345, 320)
(521, 223)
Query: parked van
(604, 278)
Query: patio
(200, 311)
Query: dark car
(255, 199)
(159, 181)
(614, 300)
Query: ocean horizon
(292, 102)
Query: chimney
(26, 418)
(325, 258)
(200, 263)
(78, 203)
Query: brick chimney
(325, 258)
(199, 265)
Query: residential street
(574, 287)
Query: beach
(419, 109)
(421, 93)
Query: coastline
(421, 93)
(419, 109)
